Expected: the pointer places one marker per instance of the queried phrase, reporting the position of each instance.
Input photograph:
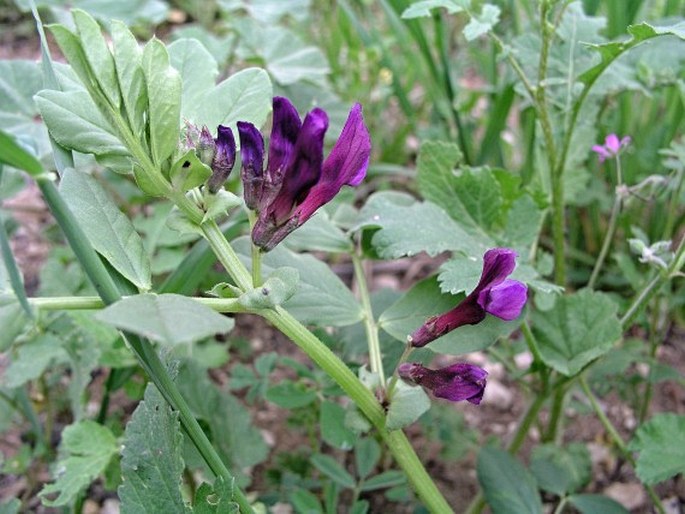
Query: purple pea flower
(297, 180)
(460, 381)
(494, 294)
(223, 159)
(611, 147)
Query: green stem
(395, 376)
(375, 355)
(618, 440)
(611, 229)
(556, 415)
(66, 303)
(147, 356)
(331, 364)
(256, 253)
(395, 440)
(654, 342)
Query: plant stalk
(375, 355)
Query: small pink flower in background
(611, 147)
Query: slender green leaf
(198, 71)
(509, 488)
(423, 8)
(595, 503)
(367, 453)
(561, 470)
(12, 154)
(164, 100)
(333, 429)
(128, 57)
(32, 358)
(333, 470)
(408, 403)
(392, 478)
(109, 231)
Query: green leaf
(98, 55)
(367, 453)
(244, 96)
(333, 429)
(661, 443)
(460, 274)
(32, 359)
(286, 56)
(109, 231)
(278, 288)
(594, 503)
(321, 298)
(218, 204)
(164, 100)
(216, 499)
(14, 155)
(408, 403)
(333, 470)
(10, 507)
(579, 328)
(290, 395)
(423, 8)
(168, 318)
(75, 122)
(509, 488)
(189, 172)
(482, 23)
(151, 462)
(128, 58)
(561, 470)
(13, 319)
(407, 227)
(198, 71)
(319, 233)
(306, 502)
(392, 478)
(473, 197)
(610, 51)
(425, 299)
(85, 451)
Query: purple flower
(494, 294)
(460, 381)
(223, 160)
(297, 180)
(611, 147)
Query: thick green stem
(375, 355)
(618, 440)
(335, 368)
(556, 415)
(395, 440)
(147, 356)
(67, 303)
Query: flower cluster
(495, 294)
(297, 180)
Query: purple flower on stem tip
(297, 180)
(223, 159)
(611, 147)
(494, 294)
(460, 381)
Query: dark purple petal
(224, 158)
(505, 300)
(252, 157)
(498, 264)
(349, 158)
(285, 129)
(468, 312)
(460, 381)
(346, 164)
